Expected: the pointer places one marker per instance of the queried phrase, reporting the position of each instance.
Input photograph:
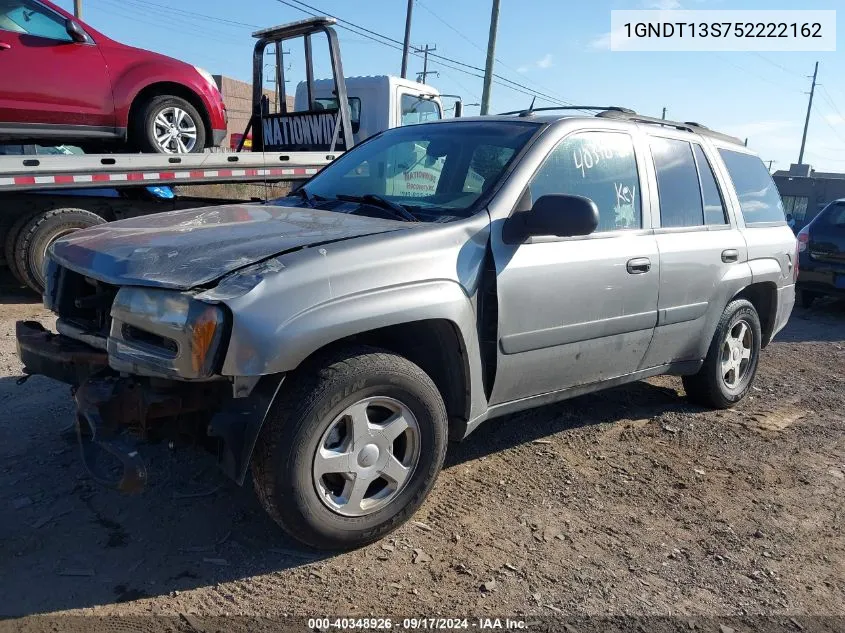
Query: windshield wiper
(397, 210)
(310, 199)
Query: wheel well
(437, 347)
(176, 90)
(763, 296)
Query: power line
(776, 65)
(314, 11)
(482, 49)
(826, 96)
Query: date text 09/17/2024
(415, 624)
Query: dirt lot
(630, 501)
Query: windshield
(432, 169)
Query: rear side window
(600, 166)
(758, 197)
(714, 207)
(677, 183)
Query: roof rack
(530, 111)
(688, 126)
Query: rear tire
(7, 219)
(807, 298)
(711, 386)
(160, 115)
(11, 244)
(41, 231)
(315, 419)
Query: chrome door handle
(730, 255)
(639, 265)
(4, 46)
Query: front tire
(169, 125)
(351, 448)
(731, 362)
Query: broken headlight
(156, 332)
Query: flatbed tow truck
(43, 198)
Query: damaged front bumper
(115, 410)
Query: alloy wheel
(175, 131)
(367, 456)
(736, 354)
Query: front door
(46, 78)
(578, 310)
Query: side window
(417, 110)
(677, 183)
(597, 165)
(714, 206)
(759, 200)
(25, 16)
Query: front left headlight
(158, 332)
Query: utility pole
(807, 120)
(421, 77)
(491, 52)
(77, 9)
(407, 39)
(664, 114)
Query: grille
(84, 302)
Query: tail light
(803, 239)
(801, 245)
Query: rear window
(833, 215)
(758, 197)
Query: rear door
(46, 78)
(578, 310)
(700, 248)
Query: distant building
(805, 191)
(237, 95)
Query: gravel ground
(630, 501)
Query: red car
(63, 82)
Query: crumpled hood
(193, 247)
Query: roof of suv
(545, 115)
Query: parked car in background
(821, 246)
(62, 81)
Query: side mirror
(459, 108)
(75, 31)
(557, 214)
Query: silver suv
(434, 277)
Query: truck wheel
(731, 363)
(7, 219)
(806, 298)
(11, 243)
(41, 231)
(169, 125)
(351, 448)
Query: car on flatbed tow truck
(435, 276)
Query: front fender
(144, 74)
(254, 352)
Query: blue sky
(557, 47)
